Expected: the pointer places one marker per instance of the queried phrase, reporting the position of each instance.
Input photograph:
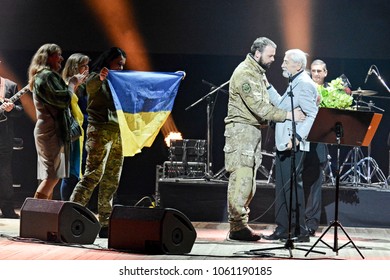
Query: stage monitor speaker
(58, 221)
(150, 230)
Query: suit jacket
(6, 123)
(304, 96)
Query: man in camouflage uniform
(248, 108)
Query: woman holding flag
(103, 145)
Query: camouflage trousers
(242, 159)
(103, 167)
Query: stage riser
(205, 201)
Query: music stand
(342, 127)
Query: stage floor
(363, 213)
(211, 244)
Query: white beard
(286, 74)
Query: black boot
(103, 233)
(245, 234)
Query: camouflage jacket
(101, 108)
(248, 97)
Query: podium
(342, 127)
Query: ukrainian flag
(143, 101)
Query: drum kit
(363, 170)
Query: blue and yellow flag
(143, 101)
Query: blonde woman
(52, 97)
(77, 63)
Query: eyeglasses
(317, 71)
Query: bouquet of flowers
(335, 95)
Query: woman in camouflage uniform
(104, 145)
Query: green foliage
(335, 95)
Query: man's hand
(7, 106)
(299, 116)
(290, 144)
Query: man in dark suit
(315, 162)
(304, 95)
(7, 112)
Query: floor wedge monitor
(150, 230)
(58, 221)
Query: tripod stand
(353, 157)
(363, 169)
(336, 223)
(352, 128)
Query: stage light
(120, 26)
(172, 136)
(117, 19)
(296, 24)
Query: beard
(286, 74)
(264, 65)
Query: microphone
(368, 74)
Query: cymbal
(362, 108)
(365, 92)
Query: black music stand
(342, 127)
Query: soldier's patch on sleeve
(246, 88)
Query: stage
(211, 244)
(205, 200)
(362, 213)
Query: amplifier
(179, 169)
(188, 150)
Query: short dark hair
(260, 44)
(319, 62)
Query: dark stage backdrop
(207, 39)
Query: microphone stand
(379, 77)
(289, 245)
(208, 174)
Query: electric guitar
(15, 97)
